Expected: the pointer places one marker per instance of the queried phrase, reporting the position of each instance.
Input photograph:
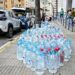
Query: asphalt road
(4, 39)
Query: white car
(8, 22)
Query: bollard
(72, 28)
(72, 25)
(69, 23)
(65, 22)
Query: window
(2, 15)
(31, 0)
(12, 1)
(6, 6)
(16, 5)
(19, 5)
(11, 14)
(1, 2)
(5, 0)
(19, 0)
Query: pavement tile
(9, 65)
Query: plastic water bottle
(20, 53)
(67, 50)
(53, 63)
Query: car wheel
(10, 32)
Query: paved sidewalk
(9, 65)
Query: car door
(16, 20)
(12, 20)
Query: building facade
(1, 4)
(19, 3)
(8, 4)
(66, 4)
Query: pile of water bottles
(44, 48)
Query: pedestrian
(73, 12)
(69, 19)
(69, 12)
(62, 15)
(73, 15)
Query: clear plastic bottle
(20, 53)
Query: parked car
(8, 23)
(27, 20)
(20, 13)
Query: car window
(2, 14)
(11, 15)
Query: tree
(37, 12)
(56, 8)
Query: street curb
(8, 44)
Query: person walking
(62, 15)
(73, 15)
(69, 18)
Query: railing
(67, 22)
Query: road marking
(8, 44)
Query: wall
(1, 4)
(8, 4)
(18, 3)
(69, 4)
(73, 4)
(62, 4)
